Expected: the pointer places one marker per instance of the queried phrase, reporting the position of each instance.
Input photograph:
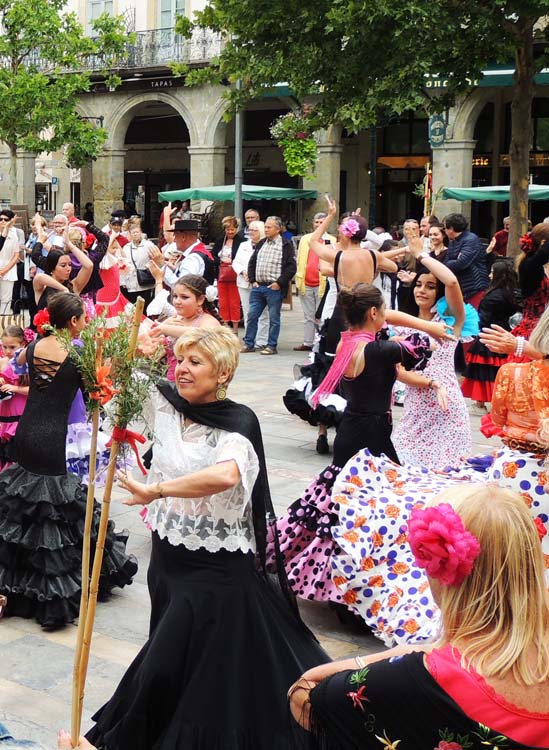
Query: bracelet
(519, 351)
(360, 661)
(159, 489)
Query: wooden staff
(86, 546)
(100, 543)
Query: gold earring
(221, 392)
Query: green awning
(498, 193)
(226, 193)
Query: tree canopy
(45, 65)
(368, 59)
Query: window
(97, 7)
(169, 10)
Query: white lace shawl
(213, 522)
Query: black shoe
(322, 446)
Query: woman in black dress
(224, 642)
(42, 508)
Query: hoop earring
(221, 392)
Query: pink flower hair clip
(349, 227)
(441, 544)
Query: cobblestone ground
(36, 667)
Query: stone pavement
(36, 667)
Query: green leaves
(365, 57)
(45, 59)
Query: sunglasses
(4, 218)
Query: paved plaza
(36, 667)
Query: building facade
(163, 135)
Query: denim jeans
(7, 741)
(261, 297)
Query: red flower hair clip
(441, 544)
(41, 320)
(540, 528)
(526, 243)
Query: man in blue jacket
(466, 257)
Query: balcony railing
(156, 49)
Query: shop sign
(482, 161)
(536, 160)
(437, 131)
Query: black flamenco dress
(305, 532)
(42, 509)
(482, 365)
(224, 645)
(297, 399)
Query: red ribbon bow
(131, 438)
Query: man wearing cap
(195, 256)
(270, 271)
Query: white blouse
(214, 522)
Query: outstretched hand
(141, 493)
(332, 207)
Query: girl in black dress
(365, 369)
(498, 304)
(42, 508)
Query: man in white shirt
(195, 256)
(9, 256)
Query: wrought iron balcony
(156, 49)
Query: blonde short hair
(260, 226)
(75, 236)
(230, 221)
(501, 610)
(219, 345)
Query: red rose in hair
(41, 319)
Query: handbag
(144, 276)
(227, 273)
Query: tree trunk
(13, 172)
(521, 135)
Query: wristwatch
(423, 254)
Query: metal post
(373, 178)
(238, 138)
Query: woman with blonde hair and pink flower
(485, 681)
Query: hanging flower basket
(294, 135)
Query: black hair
(357, 300)
(119, 212)
(388, 245)
(504, 277)
(457, 222)
(198, 286)
(15, 332)
(7, 212)
(440, 289)
(360, 234)
(52, 259)
(64, 306)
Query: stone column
(328, 167)
(453, 167)
(25, 181)
(63, 173)
(86, 186)
(207, 165)
(108, 184)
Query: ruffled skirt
(41, 531)
(480, 372)
(305, 538)
(223, 650)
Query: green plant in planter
(293, 134)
